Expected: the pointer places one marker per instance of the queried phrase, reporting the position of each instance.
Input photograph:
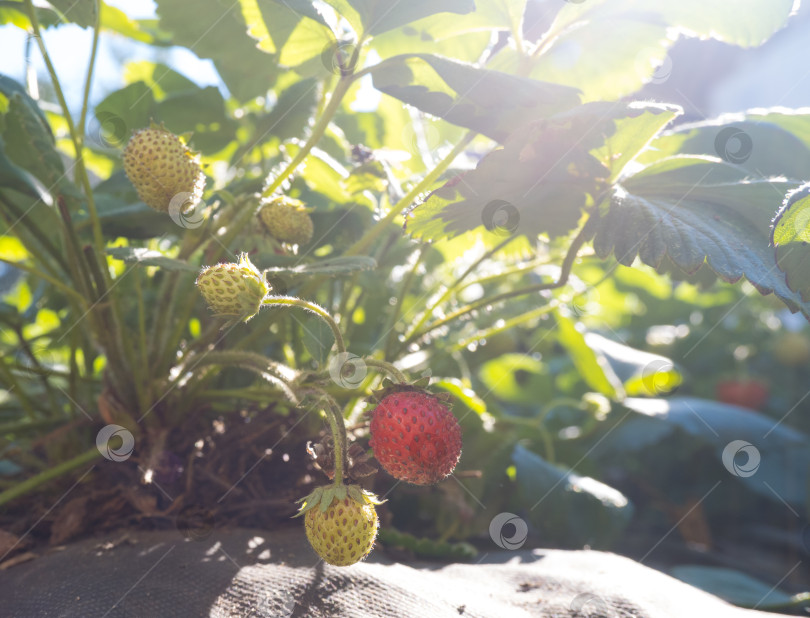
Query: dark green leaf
(288, 118)
(783, 469)
(30, 145)
(215, 29)
(318, 338)
(121, 113)
(10, 87)
(696, 210)
(791, 237)
(572, 509)
(14, 177)
(136, 220)
(537, 183)
(148, 257)
(200, 111)
(469, 96)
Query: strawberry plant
(427, 200)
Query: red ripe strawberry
(415, 437)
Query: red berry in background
(747, 393)
(415, 437)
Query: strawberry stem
(387, 367)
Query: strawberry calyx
(390, 387)
(323, 496)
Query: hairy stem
(388, 368)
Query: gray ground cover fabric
(259, 573)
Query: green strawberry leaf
(641, 373)
(215, 29)
(772, 143)
(573, 509)
(791, 238)
(318, 338)
(687, 211)
(633, 134)
(610, 48)
(470, 96)
(148, 257)
(539, 182)
(589, 361)
(375, 16)
(334, 266)
(784, 469)
(14, 177)
(121, 113)
(81, 12)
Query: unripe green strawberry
(341, 523)
(233, 291)
(163, 170)
(286, 219)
